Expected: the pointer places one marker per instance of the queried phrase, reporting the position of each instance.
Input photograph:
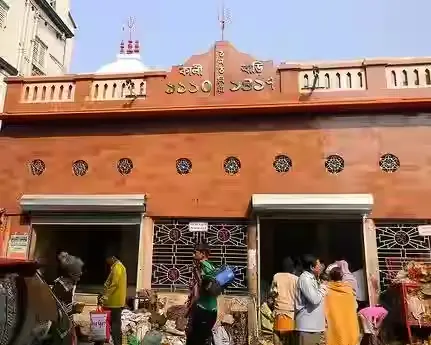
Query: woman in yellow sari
(340, 306)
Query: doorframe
(311, 207)
(141, 248)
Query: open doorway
(90, 243)
(329, 240)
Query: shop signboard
(198, 227)
(424, 230)
(18, 245)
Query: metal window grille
(39, 52)
(36, 71)
(173, 246)
(397, 245)
(4, 8)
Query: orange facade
(189, 113)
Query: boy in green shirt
(202, 306)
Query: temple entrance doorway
(327, 239)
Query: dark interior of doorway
(329, 240)
(90, 243)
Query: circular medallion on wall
(334, 164)
(80, 167)
(389, 163)
(183, 165)
(37, 167)
(232, 165)
(282, 163)
(173, 274)
(125, 166)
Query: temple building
(262, 161)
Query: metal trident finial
(131, 25)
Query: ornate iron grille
(397, 244)
(173, 246)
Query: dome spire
(133, 46)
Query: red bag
(100, 325)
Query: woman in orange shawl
(340, 306)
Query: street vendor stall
(414, 286)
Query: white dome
(126, 63)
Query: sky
(170, 31)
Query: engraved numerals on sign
(252, 84)
(190, 87)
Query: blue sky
(280, 30)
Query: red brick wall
(208, 191)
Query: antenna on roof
(224, 18)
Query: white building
(36, 38)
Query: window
(36, 70)
(405, 78)
(173, 244)
(428, 76)
(39, 52)
(4, 8)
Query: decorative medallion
(174, 234)
(402, 238)
(184, 166)
(80, 167)
(389, 163)
(37, 167)
(125, 166)
(282, 163)
(223, 235)
(334, 164)
(173, 274)
(232, 165)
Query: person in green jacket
(202, 306)
(114, 295)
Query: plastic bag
(100, 329)
(132, 339)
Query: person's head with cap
(202, 251)
(111, 255)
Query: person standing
(64, 289)
(284, 287)
(267, 316)
(201, 305)
(340, 308)
(348, 277)
(309, 308)
(114, 295)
